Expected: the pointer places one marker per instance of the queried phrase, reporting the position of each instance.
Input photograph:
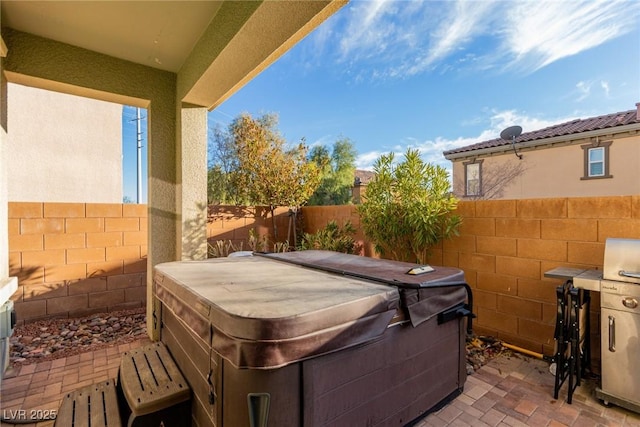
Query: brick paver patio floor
(508, 391)
(38, 388)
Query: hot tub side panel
(282, 385)
(198, 364)
(229, 385)
(388, 382)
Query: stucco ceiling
(158, 34)
(214, 47)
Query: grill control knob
(630, 302)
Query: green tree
(337, 171)
(217, 185)
(408, 207)
(222, 163)
(268, 173)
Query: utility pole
(139, 145)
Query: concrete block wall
(505, 247)
(233, 223)
(74, 259)
(315, 218)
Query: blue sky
(130, 155)
(436, 75)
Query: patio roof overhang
(214, 47)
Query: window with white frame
(596, 160)
(473, 178)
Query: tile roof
(363, 177)
(568, 128)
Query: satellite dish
(511, 133)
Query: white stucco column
(162, 187)
(192, 185)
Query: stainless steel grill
(619, 287)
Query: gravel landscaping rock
(56, 338)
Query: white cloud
(367, 30)
(432, 149)
(605, 87)
(366, 160)
(457, 29)
(324, 140)
(539, 33)
(395, 39)
(584, 90)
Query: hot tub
(313, 338)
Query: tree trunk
(273, 222)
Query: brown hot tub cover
(423, 296)
(267, 314)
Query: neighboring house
(360, 182)
(63, 148)
(597, 156)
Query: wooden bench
(153, 387)
(94, 405)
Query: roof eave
(542, 142)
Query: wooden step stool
(153, 388)
(95, 405)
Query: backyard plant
(261, 168)
(408, 207)
(260, 243)
(332, 238)
(222, 248)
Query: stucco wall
(73, 259)
(556, 171)
(63, 148)
(4, 161)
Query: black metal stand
(573, 348)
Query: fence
(505, 247)
(233, 224)
(91, 257)
(74, 259)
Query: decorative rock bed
(56, 338)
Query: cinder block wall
(74, 259)
(315, 218)
(505, 247)
(233, 223)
